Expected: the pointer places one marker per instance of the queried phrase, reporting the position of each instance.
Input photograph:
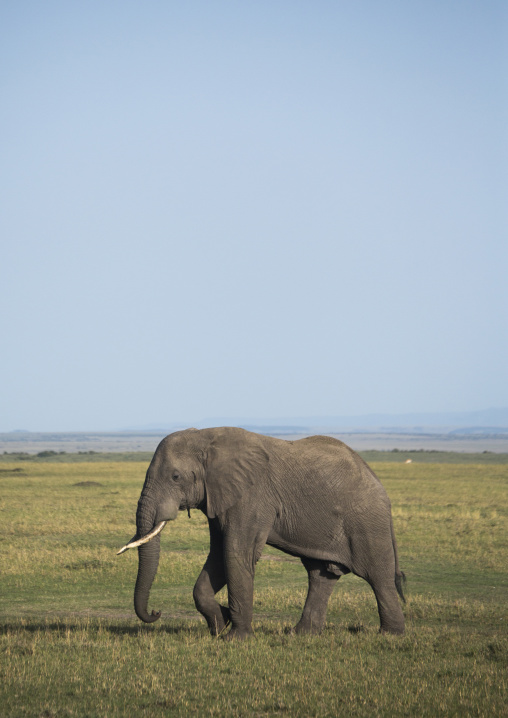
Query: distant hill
(485, 431)
(480, 431)
(493, 419)
(486, 421)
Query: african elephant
(314, 498)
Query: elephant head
(207, 469)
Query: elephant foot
(226, 615)
(238, 634)
(217, 628)
(309, 629)
(393, 624)
(394, 630)
(218, 623)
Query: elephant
(313, 498)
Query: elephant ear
(235, 461)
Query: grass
(393, 456)
(70, 644)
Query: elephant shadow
(192, 627)
(187, 627)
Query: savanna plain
(70, 644)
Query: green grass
(419, 456)
(62, 457)
(70, 644)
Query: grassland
(396, 456)
(70, 644)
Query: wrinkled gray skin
(313, 498)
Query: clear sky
(259, 209)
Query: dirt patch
(85, 565)
(88, 483)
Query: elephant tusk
(145, 539)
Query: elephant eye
(176, 476)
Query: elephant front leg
(244, 539)
(240, 580)
(321, 585)
(210, 581)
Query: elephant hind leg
(390, 611)
(321, 585)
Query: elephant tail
(400, 579)
(400, 576)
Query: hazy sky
(262, 208)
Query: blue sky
(255, 209)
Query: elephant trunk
(147, 568)
(148, 557)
